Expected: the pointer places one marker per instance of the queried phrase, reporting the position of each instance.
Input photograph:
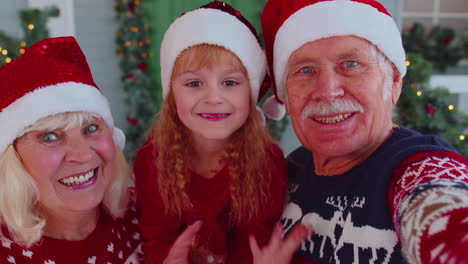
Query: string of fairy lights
(450, 107)
(6, 55)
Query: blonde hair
(19, 195)
(247, 152)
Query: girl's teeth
(75, 180)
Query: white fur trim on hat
(50, 100)
(274, 109)
(216, 27)
(335, 18)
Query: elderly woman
(64, 195)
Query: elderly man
(373, 191)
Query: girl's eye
(194, 84)
(230, 83)
(49, 137)
(350, 64)
(91, 128)
(306, 70)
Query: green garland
(33, 23)
(439, 46)
(429, 110)
(133, 42)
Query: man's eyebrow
(302, 60)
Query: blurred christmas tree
(133, 43)
(34, 25)
(428, 110)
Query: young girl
(209, 157)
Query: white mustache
(336, 107)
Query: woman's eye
(49, 137)
(351, 63)
(91, 128)
(230, 83)
(306, 70)
(194, 84)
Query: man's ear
(396, 87)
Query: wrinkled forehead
(340, 46)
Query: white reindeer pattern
(360, 237)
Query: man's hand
(180, 251)
(278, 250)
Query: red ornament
(132, 121)
(130, 76)
(131, 6)
(447, 40)
(431, 110)
(142, 65)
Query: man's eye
(49, 137)
(306, 70)
(91, 128)
(230, 83)
(351, 63)
(194, 84)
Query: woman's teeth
(76, 180)
(333, 119)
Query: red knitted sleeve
(428, 196)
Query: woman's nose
(79, 149)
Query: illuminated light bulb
(30, 26)
(408, 63)
(23, 43)
(462, 137)
(451, 107)
(8, 60)
(418, 93)
(5, 52)
(22, 51)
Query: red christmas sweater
(211, 204)
(112, 242)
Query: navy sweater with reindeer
(350, 212)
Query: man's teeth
(75, 180)
(332, 120)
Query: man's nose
(329, 86)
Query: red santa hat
(289, 24)
(51, 77)
(216, 23)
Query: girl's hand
(278, 250)
(179, 252)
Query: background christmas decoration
(142, 92)
(33, 24)
(432, 110)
